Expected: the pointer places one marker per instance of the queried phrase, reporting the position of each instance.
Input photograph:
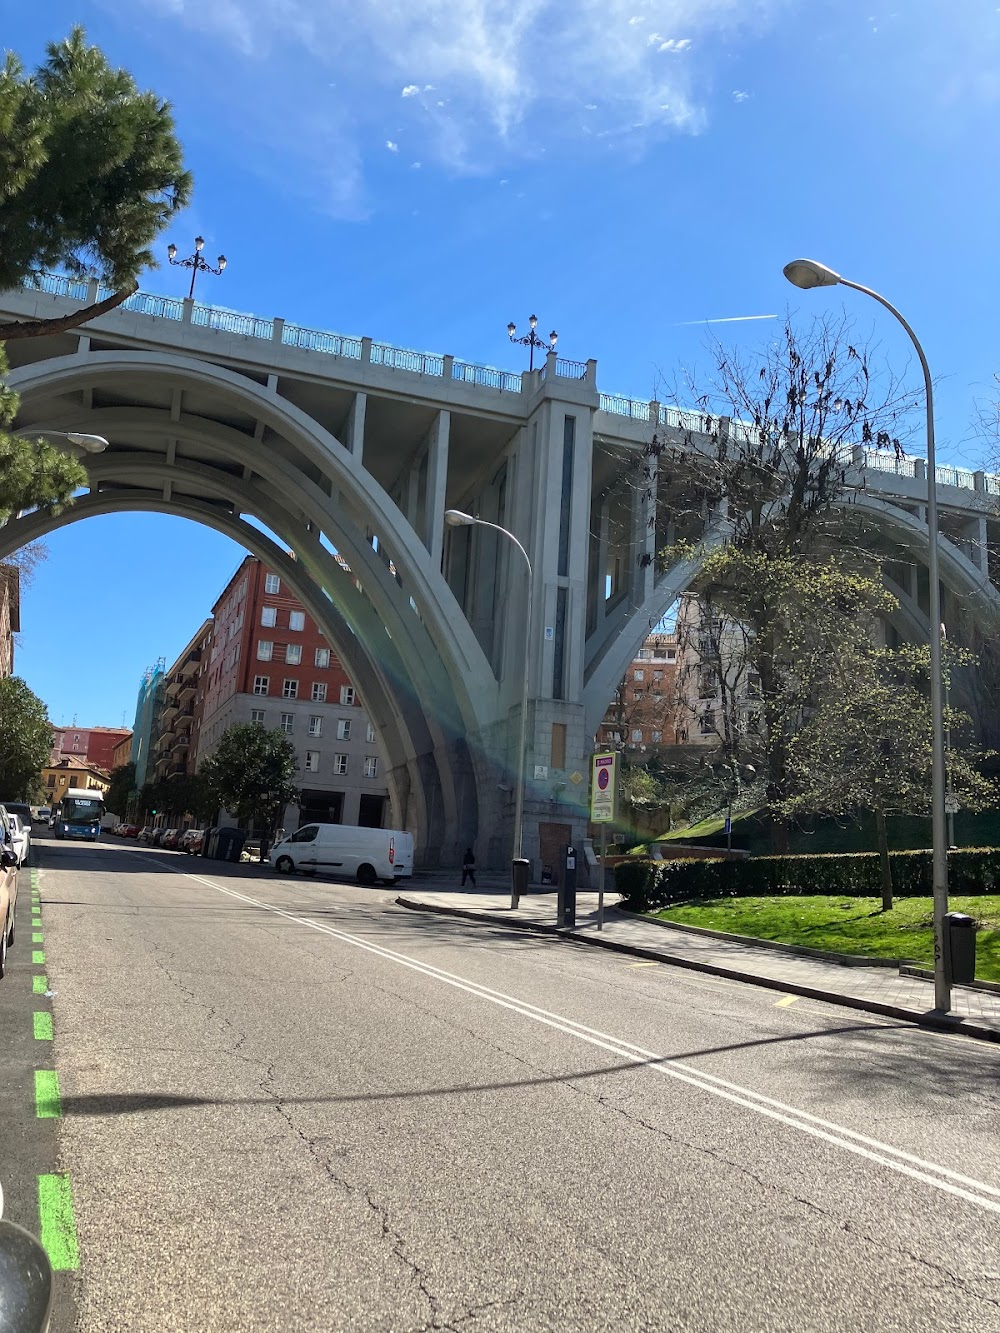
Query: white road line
(883, 1154)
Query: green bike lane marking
(48, 1103)
(58, 1222)
(42, 1025)
(38, 957)
(39, 984)
(36, 937)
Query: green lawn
(849, 925)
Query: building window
(340, 763)
(315, 725)
(322, 657)
(265, 650)
(706, 723)
(261, 684)
(293, 653)
(637, 735)
(671, 655)
(656, 737)
(268, 616)
(369, 733)
(639, 675)
(643, 654)
(347, 694)
(558, 747)
(312, 761)
(343, 730)
(256, 715)
(371, 767)
(287, 722)
(290, 689)
(318, 693)
(297, 620)
(272, 583)
(657, 675)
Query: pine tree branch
(40, 328)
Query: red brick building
(96, 745)
(267, 661)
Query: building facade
(147, 717)
(174, 750)
(94, 745)
(57, 778)
(122, 753)
(642, 719)
(266, 661)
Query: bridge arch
(431, 691)
(958, 573)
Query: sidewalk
(878, 989)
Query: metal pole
(600, 882)
(942, 977)
(194, 274)
(947, 746)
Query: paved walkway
(879, 989)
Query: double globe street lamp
(456, 518)
(807, 273)
(531, 339)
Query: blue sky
(423, 171)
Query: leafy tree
(25, 739)
(872, 749)
(122, 786)
(90, 173)
(791, 590)
(253, 771)
(33, 473)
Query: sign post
(603, 790)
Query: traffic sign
(603, 785)
(951, 805)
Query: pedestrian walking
(469, 867)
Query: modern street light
(91, 444)
(807, 273)
(195, 262)
(455, 518)
(531, 339)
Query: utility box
(229, 846)
(210, 843)
(566, 902)
(960, 947)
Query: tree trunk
(39, 328)
(885, 865)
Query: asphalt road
(288, 1104)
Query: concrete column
(437, 484)
(977, 536)
(412, 494)
(602, 561)
(354, 431)
(277, 329)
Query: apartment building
(267, 661)
(92, 745)
(641, 719)
(175, 727)
(58, 777)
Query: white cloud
(392, 147)
(499, 80)
(739, 96)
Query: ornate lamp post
(195, 262)
(531, 339)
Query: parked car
(131, 831)
(20, 808)
(146, 834)
(20, 835)
(170, 837)
(191, 841)
(44, 814)
(367, 854)
(8, 888)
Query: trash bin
(960, 947)
(210, 842)
(230, 844)
(566, 903)
(519, 875)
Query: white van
(343, 850)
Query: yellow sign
(603, 785)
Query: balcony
(181, 742)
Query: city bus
(77, 814)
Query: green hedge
(648, 885)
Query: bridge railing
(315, 340)
(487, 377)
(231, 321)
(402, 358)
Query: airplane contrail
(726, 319)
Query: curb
(936, 1022)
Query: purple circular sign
(602, 778)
